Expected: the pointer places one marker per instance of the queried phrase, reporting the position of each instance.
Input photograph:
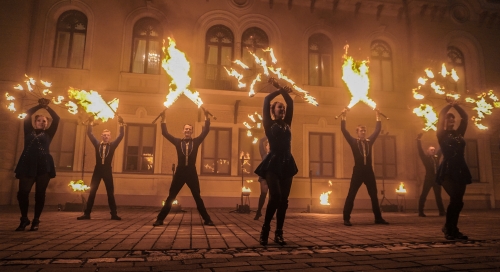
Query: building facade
(114, 47)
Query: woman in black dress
(278, 168)
(36, 164)
(264, 150)
(453, 173)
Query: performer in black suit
(453, 173)
(36, 164)
(431, 162)
(278, 167)
(362, 172)
(104, 152)
(187, 150)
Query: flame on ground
(401, 189)
(245, 190)
(78, 186)
(323, 198)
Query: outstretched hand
(120, 120)
(162, 116)
(44, 102)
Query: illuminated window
(381, 66)
(253, 40)
(249, 151)
(69, 47)
(147, 43)
(219, 50)
(320, 60)
(216, 152)
(139, 148)
(457, 61)
(321, 154)
(62, 147)
(384, 157)
(472, 159)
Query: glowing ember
(429, 73)
(93, 103)
(19, 87)
(22, 116)
(72, 107)
(430, 116)
(57, 100)
(11, 107)
(355, 75)
(177, 67)
(416, 95)
(323, 198)
(329, 183)
(237, 75)
(256, 124)
(401, 189)
(46, 92)
(78, 186)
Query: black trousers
(362, 175)
(25, 185)
(456, 192)
(430, 182)
(279, 190)
(184, 175)
(105, 174)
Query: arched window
(219, 50)
(457, 61)
(381, 66)
(320, 60)
(69, 47)
(253, 40)
(147, 43)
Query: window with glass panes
(139, 148)
(249, 154)
(146, 47)
(69, 47)
(457, 61)
(384, 157)
(253, 40)
(216, 152)
(62, 147)
(219, 52)
(320, 60)
(381, 66)
(472, 158)
(321, 154)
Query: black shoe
(347, 223)
(158, 222)
(209, 223)
(381, 221)
(448, 235)
(257, 215)
(115, 217)
(34, 225)
(422, 214)
(278, 237)
(83, 217)
(264, 235)
(24, 223)
(442, 213)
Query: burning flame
(11, 107)
(401, 189)
(245, 190)
(22, 116)
(78, 186)
(416, 95)
(177, 67)
(355, 75)
(483, 107)
(252, 86)
(430, 116)
(240, 63)
(256, 118)
(19, 87)
(58, 100)
(323, 198)
(93, 103)
(271, 53)
(237, 75)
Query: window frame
(148, 38)
(321, 149)
(64, 16)
(59, 144)
(381, 46)
(325, 48)
(140, 148)
(453, 54)
(215, 131)
(221, 80)
(381, 139)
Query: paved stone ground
(316, 242)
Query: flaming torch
(355, 75)
(245, 191)
(401, 190)
(92, 103)
(323, 198)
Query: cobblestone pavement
(316, 242)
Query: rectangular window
(216, 152)
(62, 147)
(384, 157)
(472, 159)
(321, 154)
(248, 152)
(139, 148)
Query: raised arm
(118, 139)
(289, 106)
(346, 133)
(93, 140)
(205, 131)
(465, 119)
(28, 121)
(375, 134)
(165, 133)
(55, 122)
(421, 152)
(441, 120)
(267, 121)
